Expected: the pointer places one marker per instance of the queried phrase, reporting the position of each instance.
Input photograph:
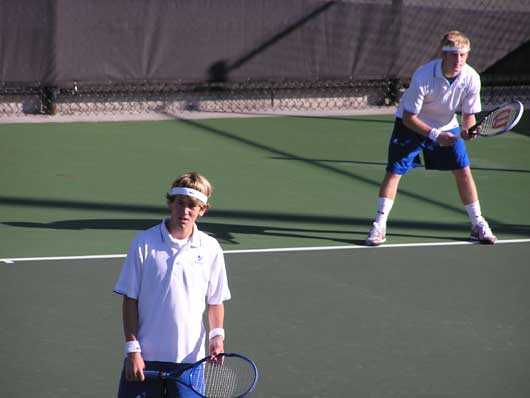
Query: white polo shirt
(434, 100)
(172, 286)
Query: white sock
(474, 212)
(384, 205)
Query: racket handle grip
(154, 374)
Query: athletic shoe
(376, 236)
(482, 233)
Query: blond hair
(192, 180)
(456, 39)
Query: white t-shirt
(172, 285)
(434, 100)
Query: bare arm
(216, 315)
(414, 123)
(468, 121)
(134, 364)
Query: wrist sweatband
(217, 332)
(132, 346)
(433, 134)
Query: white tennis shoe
(482, 233)
(376, 236)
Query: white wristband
(132, 346)
(217, 332)
(434, 133)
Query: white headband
(453, 49)
(189, 192)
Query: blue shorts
(156, 388)
(405, 147)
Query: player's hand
(134, 367)
(447, 139)
(468, 135)
(216, 346)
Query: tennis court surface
(329, 319)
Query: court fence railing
(143, 97)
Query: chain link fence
(152, 97)
(247, 97)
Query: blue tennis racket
(228, 375)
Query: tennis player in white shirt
(171, 274)
(426, 123)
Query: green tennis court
(84, 188)
(447, 320)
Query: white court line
(285, 249)
(14, 260)
(295, 249)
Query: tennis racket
(498, 121)
(226, 376)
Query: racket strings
(232, 377)
(499, 120)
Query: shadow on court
(272, 152)
(443, 321)
(364, 163)
(227, 232)
(357, 178)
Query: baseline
(272, 250)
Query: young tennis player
(169, 275)
(426, 122)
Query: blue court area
(446, 320)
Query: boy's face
(185, 210)
(453, 62)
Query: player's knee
(463, 174)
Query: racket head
(500, 120)
(229, 375)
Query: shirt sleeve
(129, 280)
(471, 101)
(413, 97)
(218, 290)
